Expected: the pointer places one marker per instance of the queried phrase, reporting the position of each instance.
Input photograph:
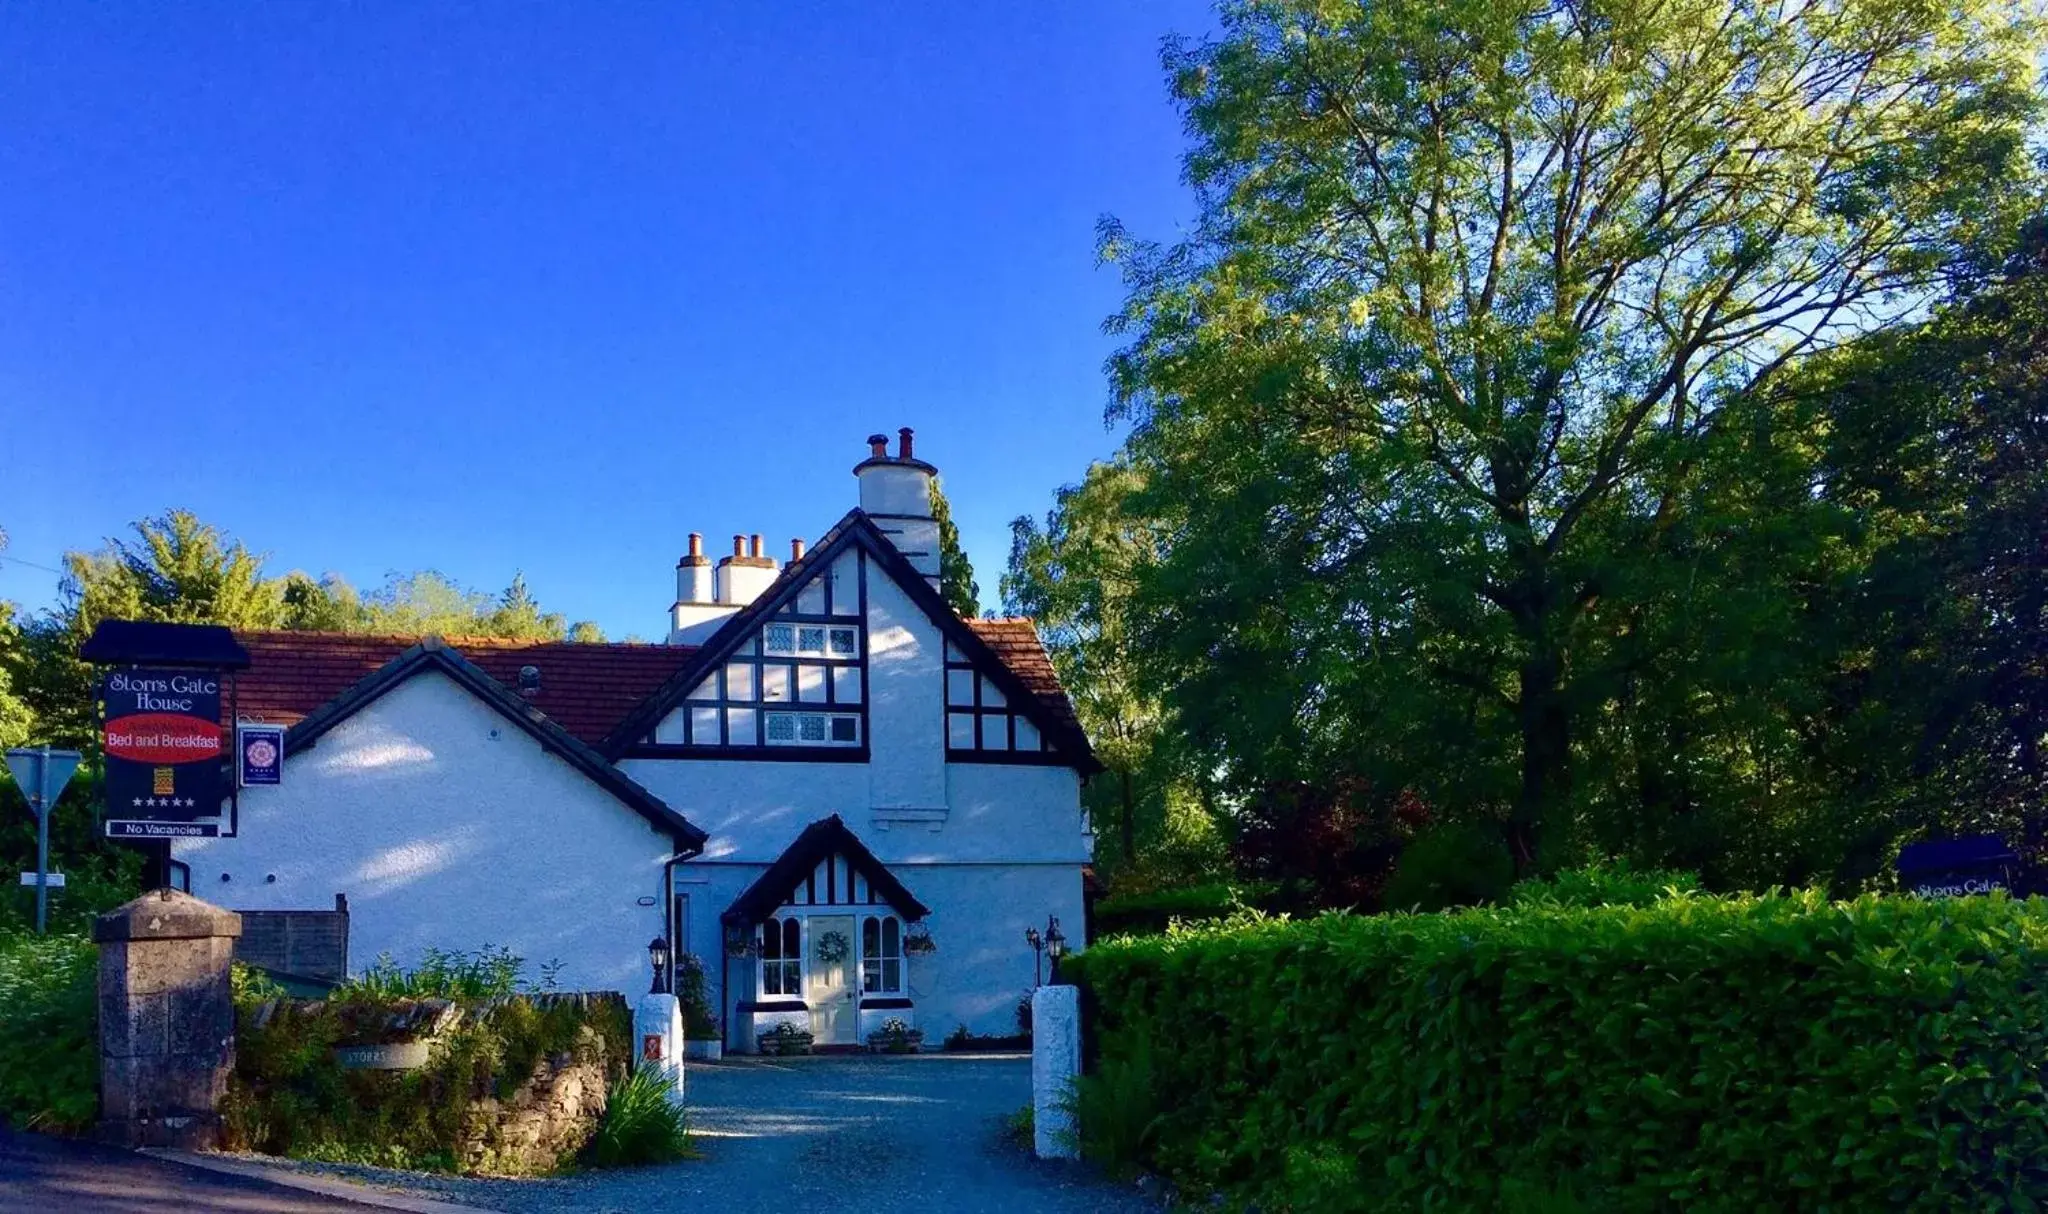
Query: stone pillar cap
(166, 914)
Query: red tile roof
(586, 689)
(1016, 643)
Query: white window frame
(882, 956)
(762, 961)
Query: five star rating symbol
(168, 802)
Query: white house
(847, 800)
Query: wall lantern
(657, 956)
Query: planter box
(778, 1044)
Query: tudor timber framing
(854, 530)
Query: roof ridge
(453, 639)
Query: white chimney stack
(896, 493)
(707, 595)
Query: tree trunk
(1129, 824)
(1546, 753)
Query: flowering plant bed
(895, 1037)
(785, 1038)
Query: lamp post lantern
(1037, 943)
(657, 957)
(1055, 946)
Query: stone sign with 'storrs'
(162, 740)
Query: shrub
(698, 1022)
(1612, 884)
(1116, 1111)
(49, 1032)
(487, 973)
(643, 1123)
(1141, 914)
(289, 1094)
(1456, 865)
(1737, 1053)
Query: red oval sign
(162, 737)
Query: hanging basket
(739, 943)
(918, 942)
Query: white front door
(830, 987)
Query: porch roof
(819, 840)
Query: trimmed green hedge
(1143, 914)
(49, 1034)
(1750, 1053)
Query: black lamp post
(1049, 943)
(657, 956)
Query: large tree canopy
(1473, 286)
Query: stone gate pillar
(167, 1019)
(1055, 1068)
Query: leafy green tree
(1074, 575)
(1471, 287)
(324, 604)
(956, 573)
(17, 720)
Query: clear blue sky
(486, 287)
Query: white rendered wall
(906, 701)
(447, 826)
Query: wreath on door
(833, 947)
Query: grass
(643, 1124)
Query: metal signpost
(42, 774)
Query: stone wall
(546, 1119)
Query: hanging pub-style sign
(162, 740)
(259, 754)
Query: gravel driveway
(914, 1133)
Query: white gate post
(1055, 1068)
(658, 1037)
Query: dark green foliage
(49, 1035)
(1697, 1053)
(698, 1022)
(1144, 913)
(1116, 1105)
(1614, 884)
(956, 575)
(1450, 866)
(643, 1123)
(289, 1095)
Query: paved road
(40, 1174)
(887, 1134)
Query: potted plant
(701, 1038)
(788, 1037)
(895, 1037)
